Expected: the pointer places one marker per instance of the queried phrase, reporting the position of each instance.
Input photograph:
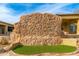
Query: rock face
(38, 29)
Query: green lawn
(43, 49)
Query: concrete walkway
(11, 53)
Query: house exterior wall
(72, 18)
(78, 27)
(4, 27)
(69, 41)
(66, 25)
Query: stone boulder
(38, 29)
(11, 46)
(4, 40)
(2, 50)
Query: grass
(28, 50)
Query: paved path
(11, 53)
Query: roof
(68, 14)
(2, 22)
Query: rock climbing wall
(38, 29)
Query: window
(72, 28)
(1, 31)
(10, 29)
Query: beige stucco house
(70, 23)
(70, 27)
(5, 28)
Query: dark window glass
(10, 29)
(1, 31)
(73, 28)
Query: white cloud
(6, 14)
(56, 8)
(52, 8)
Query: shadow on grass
(19, 46)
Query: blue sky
(11, 12)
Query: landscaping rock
(2, 50)
(38, 29)
(4, 40)
(11, 46)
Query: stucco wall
(69, 41)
